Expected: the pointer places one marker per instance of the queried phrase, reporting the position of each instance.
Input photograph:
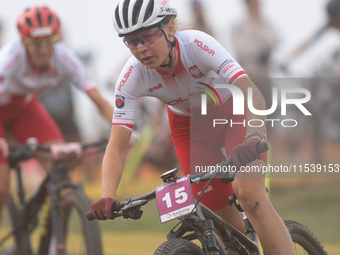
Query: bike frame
(206, 220)
(202, 222)
(47, 194)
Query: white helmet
(132, 16)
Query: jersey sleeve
(10, 58)
(211, 55)
(129, 88)
(75, 69)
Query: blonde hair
(178, 27)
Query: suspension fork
(56, 222)
(21, 230)
(250, 232)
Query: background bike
(199, 224)
(56, 209)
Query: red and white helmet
(38, 22)
(131, 16)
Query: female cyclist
(36, 63)
(177, 68)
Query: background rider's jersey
(19, 77)
(202, 63)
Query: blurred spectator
(254, 39)
(199, 22)
(333, 11)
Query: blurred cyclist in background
(28, 67)
(177, 67)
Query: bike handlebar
(118, 208)
(24, 152)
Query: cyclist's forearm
(106, 111)
(112, 169)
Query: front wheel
(304, 241)
(178, 246)
(82, 237)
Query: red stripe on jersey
(123, 124)
(121, 119)
(233, 72)
(236, 76)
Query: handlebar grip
(89, 216)
(262, 147)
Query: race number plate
(174, 199)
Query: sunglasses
(42, 43)
(144, 38)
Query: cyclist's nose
(140, 44)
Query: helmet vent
(39, 17)
(136, 12)
(29, 22)
(49, 19)
(126, 12)
(149, 10)
(117, 18)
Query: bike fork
(250, 232)
(22, 236)
(214, 247)
(57, 224)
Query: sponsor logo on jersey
(126, 77)
(159, 86)
(209, 188)
(120, 101)
(209, 93)
(196, 72)
(225, 63)
(204, 47)
(164, 2)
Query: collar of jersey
(178, 61)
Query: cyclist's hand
(102, 208)
(3, 147)
(245, 153)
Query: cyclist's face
(149, 47)
(40, 52)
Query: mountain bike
(56, 209)
(197, 222)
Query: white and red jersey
(202, 63)
(19, 77)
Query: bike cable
(197, 201)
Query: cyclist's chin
(151, 64)
(41, 63)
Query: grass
(317, 207)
